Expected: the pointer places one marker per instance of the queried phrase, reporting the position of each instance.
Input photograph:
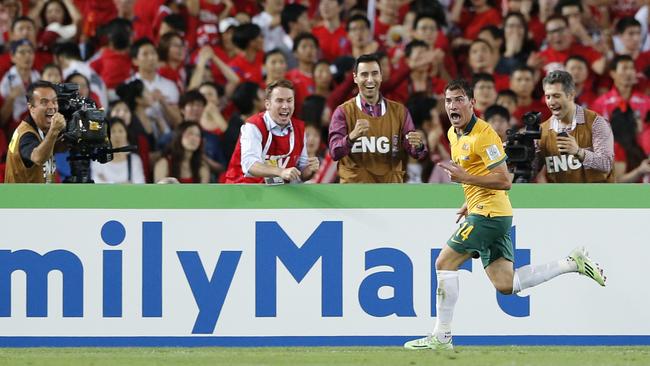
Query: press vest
(378, 157)
(15, 170)
(565, 168)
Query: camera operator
(577, 145)
(30, 157)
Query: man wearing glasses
(30, 154)
(479, 164)
(562, 45)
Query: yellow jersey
(478, 150)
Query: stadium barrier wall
(200, 265)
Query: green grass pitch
(483, 356)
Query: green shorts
(485, 237)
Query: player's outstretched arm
(499, 178)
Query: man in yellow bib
(479, 164)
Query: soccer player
(479, 164)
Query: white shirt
(252, 146)
(97, 85)
(273, 37)
(168, 88)
(10, 80)
(118, 172)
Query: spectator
(163, 91)
(173, 23)
(248, 63)
(578, 67)
(275, 66)
(315, 112)
(482, 60)
(141, 14)
(523, 84)
(388, 16)
(628, 42)
(171, 53)
(471, 19)
(313, 141)
(113, 63)
(421, 73)
(361, 41)
(120, 110)
(195, 108)
(561, 45)
(631, 163)
(499, 118)
(493, 35)
(249, 100)
(57, 19)
(323, 78)
(68, 56)
(377, 152)
(331, 33)
(84, 87)
(485, 93)
(184, 158)
(15, 82)
(125, 167)
(585, 153)
(517, 45)
(270, 24)
(24, 28)
(623, 94)
(139, 100)
(426, 118)
(583, 29)
(508, 99)
(52, 73)
(305, 49)
(294, 22)
(532, 13)
(272, 147)
(427, 29)
(10, 10)
(207, 57)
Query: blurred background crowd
(177, 78)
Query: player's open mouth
(555, 109)
(454, 117)
(284, 114)
(49, 115)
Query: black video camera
(86, 133)
(520, 147)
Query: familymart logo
(210, 286)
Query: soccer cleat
(586, 266)
(429, 342)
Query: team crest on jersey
(465, 146)
(493, 152)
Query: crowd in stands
(178, 78)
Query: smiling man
(30, 154)
(577, 145)
(370, 135)
(271, 146)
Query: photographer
(30, 156)
(577, 145)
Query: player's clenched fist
(360, 129)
